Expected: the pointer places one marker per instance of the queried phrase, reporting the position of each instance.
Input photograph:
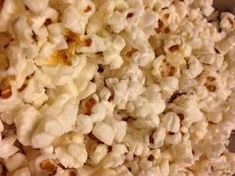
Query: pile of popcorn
(116, 88)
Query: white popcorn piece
(112, 53)
(46, 131)
(98, 112)
(97, 45)
(22, 172)
(173, 138)
(118, 21)
(227, 44)
(163, 99)
(195, 68)
(7, 147)
(8, 8)
(119, 129)
(84, 124)
(198, 130)
(171, 122)
(103, 132)
(100, 152)
(170, 85)
(36, 6)
(183, 153)
(64, 109)
(76, 17)
(15, 162)
(72, 155)
(158, 137)
(25, 121)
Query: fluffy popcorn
(158, 137)
(104, 132)
(67, 115)
(25, 121)
(46, 131)
(112, 53)
(116, 88)
(170, 85)
(22, 172)
(171, 122)
(76, 17)
(70, 150)
(184, 152)
(227, 44)
(119, 128)
(195, 68)
(84, 124)
(16, 161)
(98, 112)
(36, 6)
(72, 155)
(100, 152)
(95, 44)
(7, 147)
(118, 21)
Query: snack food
(116, 88)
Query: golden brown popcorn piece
(5, 87)
(48, 166)
(65, 56)
(87, 105)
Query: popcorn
(15, 162)
(195, 68)
(116, 88)
(158, 137)
(112, 53)
(70, 150)
(119, 128)
(227, 44)
(76, 17)
(72, 155)
(22, 172)
(7, 147)
(36, 6)
(100, 152)
(171, 122)
(25, 121)
(84, 124)
(103, 132)
(118, 22)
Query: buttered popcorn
(116, 88)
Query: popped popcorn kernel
(116, 88)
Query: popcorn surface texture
(116, 88)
